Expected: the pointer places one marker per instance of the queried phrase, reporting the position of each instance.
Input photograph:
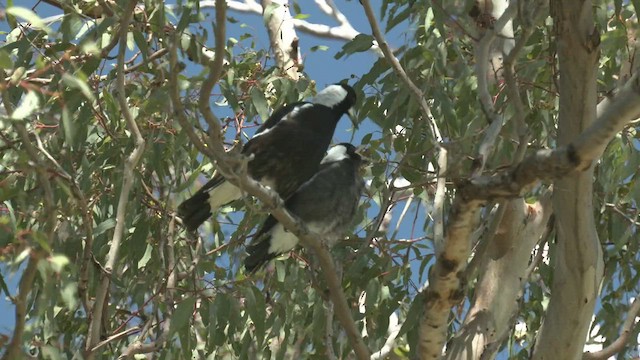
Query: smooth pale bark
(282, 35)
(578, 263)
(502, 279)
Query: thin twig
(397, 68)
(496, 121)
(438, 213)
(141, 345)
(617, 346)
(130, 164)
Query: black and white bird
(327, 204)
(286, 149)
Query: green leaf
(58, 262)
(260, 314)
(68, 126)
(104, 226)
(80, 84)
(361, 43)
(373, 290)
(29, 16)
(413, 315)
(219, 313)
(146, 257)
(72, 27)
(5, 60)
(69, 295)
(182, 315)
(4, 287)
(140, 40)
(260, 102)
(301, 16)
(319, 48)
(10, 18)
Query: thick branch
(502, 279)
(614, 114)
(482, 70)
(445, 288)
(344, 31)
(283, 38)
(578, 264)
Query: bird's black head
(339, 97)
(342, 151)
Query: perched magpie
(286, 149)
(326, 203)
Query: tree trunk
(578, 263)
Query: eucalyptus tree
(501, 216)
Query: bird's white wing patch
(336, 153)
(223, 194)
(281, 240)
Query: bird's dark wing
(328, 200)
(314, 191)
(258, 254)
(330, 190)
(290, 152)
(277, 115)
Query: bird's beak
(361, 151)
(351, 113)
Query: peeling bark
(446, 285)
(500, 286)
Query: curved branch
(393, 331)
(344, 31)
(617, 346)
(20, 301)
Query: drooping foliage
(64, 145)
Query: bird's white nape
(331, 96)
(336, 153)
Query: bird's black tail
(258, 255)
(195, 210)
